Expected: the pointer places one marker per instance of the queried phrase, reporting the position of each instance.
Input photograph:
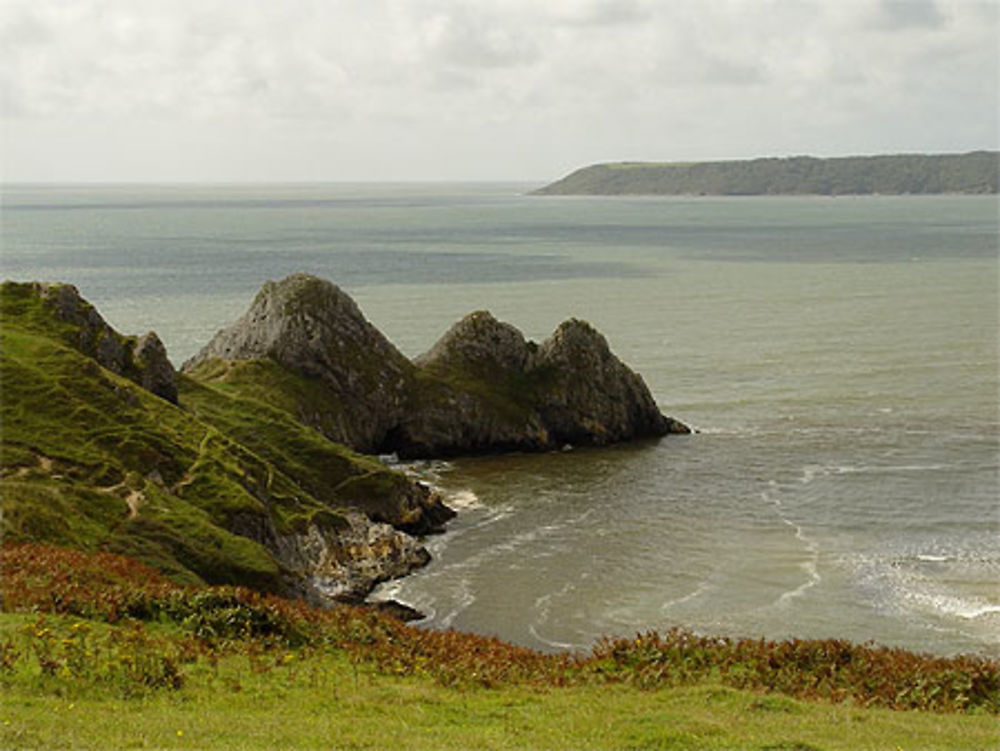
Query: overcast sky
(279, 90)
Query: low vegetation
(107, 634)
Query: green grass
(264, 383)
(331, 473)
(296, 698)
(79, 442)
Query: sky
(527, 90)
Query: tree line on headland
(898, 174)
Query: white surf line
(694, 594)
(810, 567)
(461, 500)
(543, 607)
(465, 599)
(554, 644)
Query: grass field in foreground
(98, 651)
(324, 700)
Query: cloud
(601, 13)
(496, 88)
(462, 39)
(908, 14)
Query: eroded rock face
(156, 374)
(472, 395)
(497, 391)
(313, 329)
(344, 564)
(481, 388)
(479, 344)
(588, 395)
(142, 360)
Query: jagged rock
(312, 328)
(343, 554)
(479, 344)
(408, 505)
(426, 514)
(497, 391)
(156, 373)
(468, 399)
(142, 360)
(589, 395)
(343, 564)
(398, 610)
(481, 388)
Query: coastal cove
(838, 356)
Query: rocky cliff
(482, 388)
(590, 396)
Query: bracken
(264, 628)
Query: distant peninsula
(893, 174)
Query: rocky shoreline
(278, 395)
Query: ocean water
(839, 357)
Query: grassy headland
(895, 174)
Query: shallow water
(839, 356)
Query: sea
(837, 356)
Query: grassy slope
(266, 381)
(90, 460)
(329, 472)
